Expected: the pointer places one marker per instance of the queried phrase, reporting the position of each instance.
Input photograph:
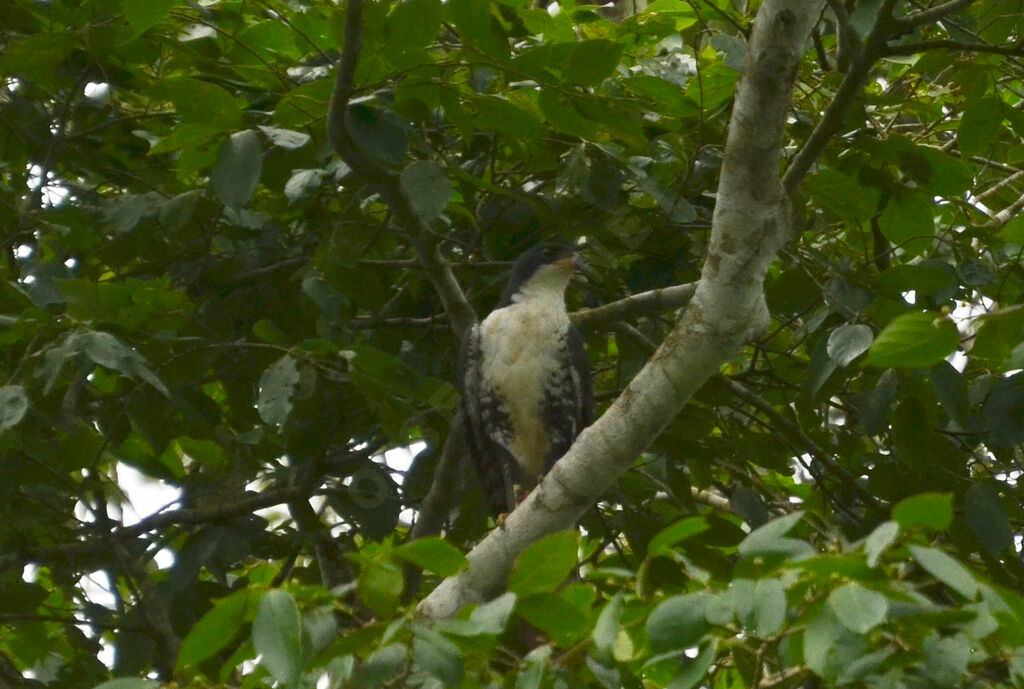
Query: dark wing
(486, 421)
(568, 397)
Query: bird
(524, 378)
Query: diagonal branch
(831, 122)
(933, 14)
(751, 222)
(456, 306)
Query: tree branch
(751, 222)
(932, 14)
(653, 301)
(829, 125)
(949, 45)
(456, 306)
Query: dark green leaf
(987, 518)
(128, 683)
(695, 670)
(591, 61)
(607, 627)
(663, 541)
(427, 187)
(142, 14)
(379, 132)
(277, 636)
(770, 539)
(545, 564)
(914, 340)
(380, 586)
(979, 126)
(769, 607)
(413, 23)
(907, 222)
(556, 616)
(946, 658)
(238, 168)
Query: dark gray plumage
(525, 378)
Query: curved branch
(751, 222)
(456, 306)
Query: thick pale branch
(751, 222)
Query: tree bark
(751, 222)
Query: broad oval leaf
(678, 622)
(674, 533)
(277, 636)
(769, 607)
(947, 570)
(277, 386)
(769, 539)
(427, 187)
(545, 564)
(238, 169)
(13, 405)
(128, 683)
(914, 340)
(859, 609)
(931, 510)
(907, 222)
(879, 540)
(987, 518)
(849, 341)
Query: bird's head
(544, 269)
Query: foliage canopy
(196, 288)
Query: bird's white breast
(520, 346)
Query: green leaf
(303, 183)
(477, 26)
(506, 117)
(930, 510)
(829, 647)
(214, 630)
(591, 61)
(200, 102)
(849, 341)
(383, 665)
(695, 670)
(947, 570)
(979, 125)
(987, 518)
(879, 540)
(769, 539)
(438, 656)
(379, 132)
(285, 138)
(607, 627)
(663, 541)
(946, 658)
(320, 627)
(277, 386)
(859, 609)
(142, 14)
(238, 168)
(427, 187)
(492, 617)
(277, 636)
(380, 587)
(914, 340)
(556, 616)
(678, 622)
(769, 607)
(413, 24)
(545, 564)
(434, 555)
(13, 405)
(559, 110)
(907, 222)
